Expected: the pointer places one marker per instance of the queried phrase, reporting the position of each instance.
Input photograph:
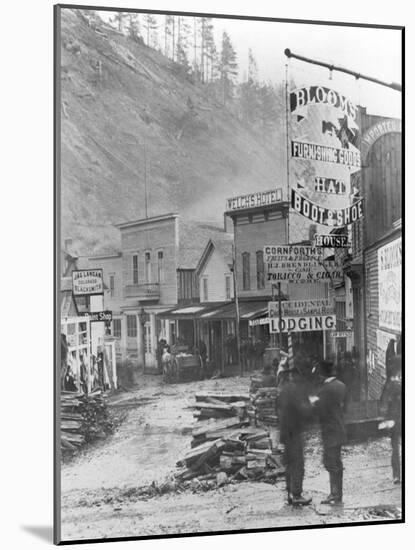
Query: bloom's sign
(390, 283)
(323, 153)
(326, 216)
(87, 282)
(300, 264)
(301, 98)
(262, 198)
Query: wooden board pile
(226, 448)
(263, 402)
(83, 419)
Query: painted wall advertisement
(390, 284)
(302, 316)
(324, 156)
(87, 282)
(300, 264)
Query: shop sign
(341, 334)
(87, 282)
(99, 316)
(332, 241)
(299, 308)
(262, 198)
(390, 282)
(301, 98)
(326, 216)
(300, 264)
(302, 324)
(258, 322)
(378, 130)
(325, 153)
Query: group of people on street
(314, 389)
(295, 406)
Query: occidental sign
(302, 316)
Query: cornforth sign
(262, 198)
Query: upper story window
(147, 259)
(260, 275)
(116, 328)
(246, 268)
(132, 326)
(228, 287)
(160, 266)
(112, 286)
(205, 289)
(135, 269)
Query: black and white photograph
(228, 298)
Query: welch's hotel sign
(251, 200)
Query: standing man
(294, 410)
(392, 400)
(330, 406)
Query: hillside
(127, 112)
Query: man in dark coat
(330, 406)
(294, 410)
(392, 399)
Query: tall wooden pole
(235, 290)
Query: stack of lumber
(220, 405)
(228, 448)
(263, 401)
(84, 418)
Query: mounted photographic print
(229, 333)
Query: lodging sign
(390, 282)
(302, 316)
(262, 198)
(300, 264)
(87, 282)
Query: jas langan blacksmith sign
(87, 282)
(300, 264)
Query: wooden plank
(234, 421)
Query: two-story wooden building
(375, 265)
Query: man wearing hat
(294, 410)
(330, 406)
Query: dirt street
(101, 496)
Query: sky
(373, 52)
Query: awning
(247, 311)
(187, 312)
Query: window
(228, 287)
(246, 277)
(112, 286)
(160, 266)
(116, 328)
(205, 289)
(147, 258)
(260, 276)
(135, 269)
(132, 326)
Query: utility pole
(235, 291)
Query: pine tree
(151, 25)
(119, 19)
(133, 26)
(252, 67)
(228, 68)
(183, 33)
